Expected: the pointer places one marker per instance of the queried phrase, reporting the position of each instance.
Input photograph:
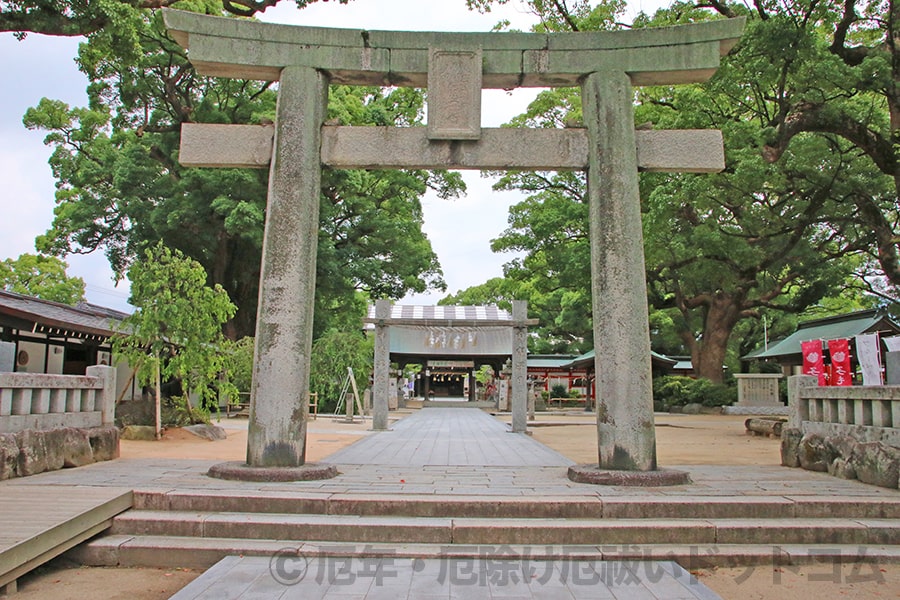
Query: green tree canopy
(332, 354)
(832, 70)
(238, 367)
(121, 189)
(762, 235)
(85, 17)
(42, 277)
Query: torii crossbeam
(455, 67)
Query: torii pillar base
(239, 471)
(597, 475)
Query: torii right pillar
(625, 428)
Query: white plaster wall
(55, 359)
(35, 354)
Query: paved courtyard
(404, 461)
(459, 455)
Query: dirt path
(681, 439)
(325, 435)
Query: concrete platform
(288, 575)
(464, 481)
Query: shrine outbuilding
(450, 343)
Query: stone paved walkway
(449, 437)
(290, 576)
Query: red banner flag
(840, 362)
(812, 360)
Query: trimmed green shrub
(559, 391)
(678, 390)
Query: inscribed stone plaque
(454, 94)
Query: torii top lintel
(237, 48)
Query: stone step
(463, 530)
(549, 507)
(202, 553)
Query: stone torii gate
(454, 67)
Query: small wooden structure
(40, 522)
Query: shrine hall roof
(53, 318)
(830, 328)
(446, 313)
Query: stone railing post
(796, 385)
(105, 401)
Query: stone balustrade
(40, 402)
(866, 413)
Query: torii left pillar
(279, 403)
(276, 435)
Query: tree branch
(814, 118)
(564, 13)
(760, 10)
(720, 7)
(247, 8)
(851, 56)
(886, 240)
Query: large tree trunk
(722, 313)
(229, 269)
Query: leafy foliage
(677, 390)
(42, 277)
(85, 17)
(559, 391)
(332, 354)
(177, 327)
(238, 363)
(830, 70)
(765, 235)
(556, 15)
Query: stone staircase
(196, 529)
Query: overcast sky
(40, 66)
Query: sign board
(452, 364)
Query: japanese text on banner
(869, 359)
(812, 359)
(840, 362)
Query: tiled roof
(549, 362)
(84, 318)
(587, 359)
